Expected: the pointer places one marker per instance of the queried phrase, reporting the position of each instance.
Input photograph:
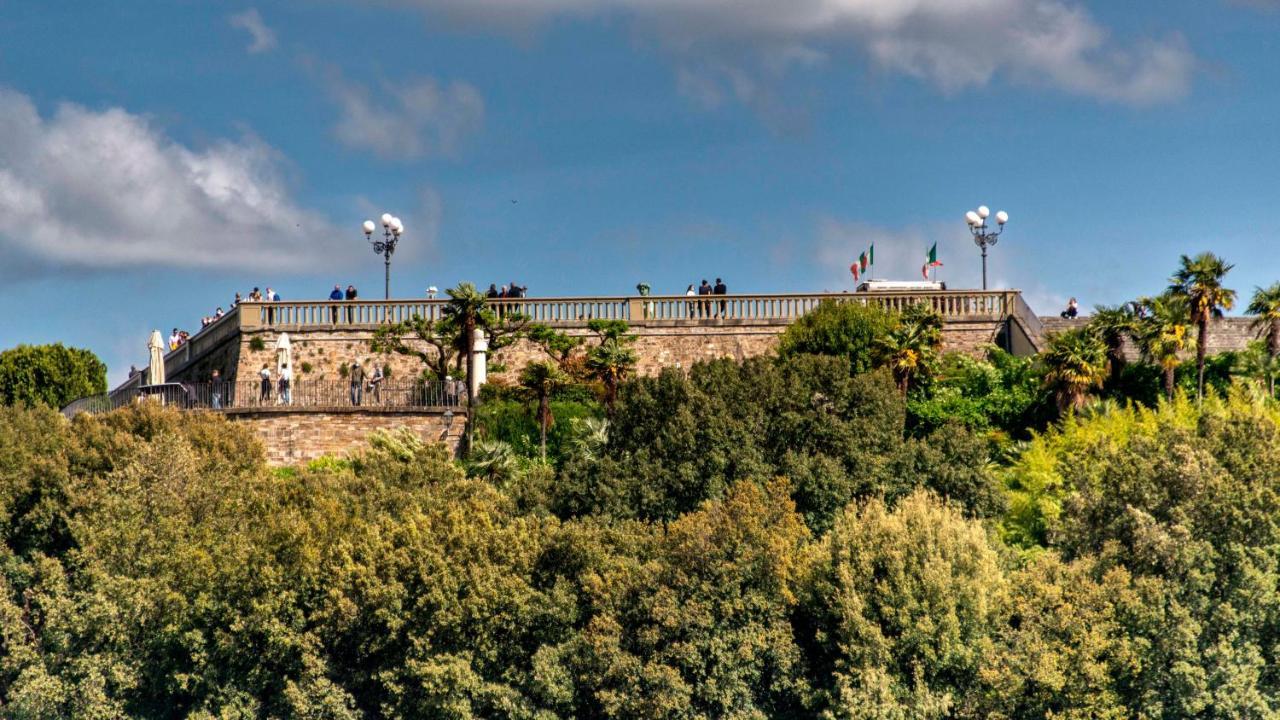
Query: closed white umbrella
(283, 353)
(155, 368)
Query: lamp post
(392, 229)
(983, 236)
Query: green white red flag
(930, 261)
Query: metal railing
(951, 304)
(249, 395)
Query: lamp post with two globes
(984, 237)
(392, 229)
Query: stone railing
(302, 394)
(951, 304)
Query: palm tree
(1199, 280)
(466, 310)
(590, 437)
(610, 361)
(911, 347)
(1266, 306)
(1258, 364)
(907, 352)
(541, 379)
(1163, 335)
(1075, 364)
(1114, 325)
(492, 460)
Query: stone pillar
(479, 353)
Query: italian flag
(930, 261)
(865, 260)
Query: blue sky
(156, 157)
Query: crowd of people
(513, 290)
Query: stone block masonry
(293, 436)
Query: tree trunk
(1273, 338)
(1201, 351)
(1169, 377)
(544, 411)
(469, 327)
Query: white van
(901, 286)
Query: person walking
(721, 289)
(264, 391)
(704, 307)
(335, 296)
(215, 390)
(357, 382)
(351, 296)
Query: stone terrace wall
(319, 354)
(1229, 333)
(294, 436)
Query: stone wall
(1225, 334)
(294, 436)
(320, 355)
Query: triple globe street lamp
(983, 236)
(392, 229)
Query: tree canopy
(53, 375)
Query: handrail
(301, 394)
(952, 304)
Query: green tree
(493, 460)
(434, 342)
(1259, 365)
(1199, 282)
(910, 348)
(1163, 335)
(611, 358)
(1265, 305)
(1115, 325)
(900, 607)
(849, 329)
(1075, 364)
(51, 374)
(540, 380)
(559, 346)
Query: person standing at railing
(704, 307)
(351, 296)
(286, 383)
(721, 289)
(215, 390)
(690, 292)
(335, 296)
(264, 393)
(375, 385)
(270, 297)
(356, 376)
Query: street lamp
(983, 236)
(392, 229)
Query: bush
(850, 330)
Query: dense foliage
(858, 527)
(53, 375)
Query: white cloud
(84, 190)
(261, 37)
(405, 120)
(953, 44)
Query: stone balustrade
(637, 310)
